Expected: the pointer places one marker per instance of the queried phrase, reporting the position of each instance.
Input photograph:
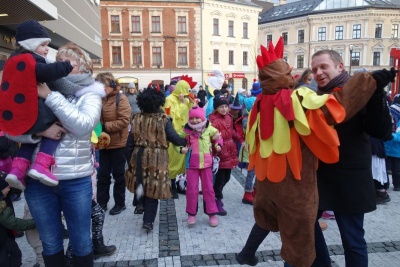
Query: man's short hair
(334, 56)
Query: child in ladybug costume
(21, 112)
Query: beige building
(229, 40)
(363, 32)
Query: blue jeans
(351, 228)
(248, 187)
(74, 199)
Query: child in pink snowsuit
(200, 137)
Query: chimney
(282, 2)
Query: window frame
(231, 57)
(182, 26)
(285, 37)
(245, 30)
(114, 24)
(136, 24)
(215, 26)
(339, 32)
(245, 59)
(231, 28)
(156, 56)
(300, 59)
(300, 36)
(114, 55)
(353, 57)
(378, 30)
(356, 34)
(321, 34)
(182, 55)
(376, 58)
(137, 58)
(155, 25)
(394, 31)
(216, 56)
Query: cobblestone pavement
(174, 243)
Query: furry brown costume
(288, 131)
(151, 142)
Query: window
(115, 24)
(269, 38)
(339, 33)
(135, 20)
(300, 36)
(245, 30)
(116, 55)
(355, 59)
(155, 24)
(137, 55)
(182, 56)
(245, 58)
(300, 61)
(395, 30)
(156, 56)
(231, 57)
(357, 31)
(216, 56)
(285, 58)
(285, 37)
(377, 59)
(182, 24)
(322, 34)
(215, 26)
(378, 31)
(230, 29)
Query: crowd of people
(162, 142)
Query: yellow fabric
(93, 138)
(283, 147)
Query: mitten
(383, 77)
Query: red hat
(197, 112)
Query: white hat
(216, 81)
(131, 85)
(241, 90)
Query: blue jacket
(392, 147)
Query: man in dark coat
(201, 94)
(345, 187)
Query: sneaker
(213, 220)
(117, 209)
(16, 177)
(147, 226)
(103, 206)
(327, 216)
(382, 197)
(191, 220)
(40, 169)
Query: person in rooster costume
(177, 106)
(288, 132)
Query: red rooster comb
(189, 80)
(270, 55)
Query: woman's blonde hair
(76, 53)
(107, 79)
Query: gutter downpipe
(309, 41)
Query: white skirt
(379, 169)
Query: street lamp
(351, 55)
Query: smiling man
(345, 187)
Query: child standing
(10, 254)
(22, 112)
(223, 121)
(147, 175)
(200, 137)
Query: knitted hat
(30, 34)
(236, 104)
(255, 89)
(241, 90)
(131, 85)
(216, 81)
(220, 100)
(197, 112)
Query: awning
(17, 11)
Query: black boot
(101, 250)
(55, 260)
(84, 261)
(248, 253)
(173, 189)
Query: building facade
(75, 21)
(154, 41)
(363, 32)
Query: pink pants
(192, 191)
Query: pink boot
(191, 220)
(40, 169)
(16, 176)
(213, 220)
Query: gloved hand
(383, 77)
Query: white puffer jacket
(79, 116)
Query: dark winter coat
(201, 94)
(229, 153)
(347, 186)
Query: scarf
(338, 81)
(72, 83)
(199, 127)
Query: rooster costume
(288, 131)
